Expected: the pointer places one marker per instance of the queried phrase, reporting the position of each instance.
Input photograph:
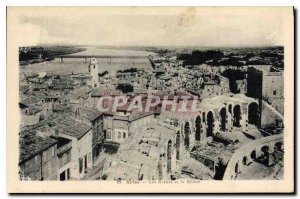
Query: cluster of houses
(63, 135)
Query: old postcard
(150, 99)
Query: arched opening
(198, 128)
(210, 124)
(244, 160)
(253, 114)
(178, 146)
(265, 150)
(253, 155)
(223, 119)
(236, 168)
(278, 146)
(237, 116)
(169, 156)
(187, 131)
(264, 158)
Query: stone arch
(210, 124)
(265, 150)
(187, 132)
(264, 158)
(253, 113)
(253, 155)
(198, 127)
(237, 113)
(223, 116)
(278, 146)
(245, 159)
(169, 156)
(178, 140)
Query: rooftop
(90, 113)
(133, 116)
(69, 126)
(31, 144)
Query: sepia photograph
(156, 99)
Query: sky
(186, 26)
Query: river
(77, 65)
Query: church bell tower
(93, 70)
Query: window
(274, 92)
(124, 135)
(119, 135)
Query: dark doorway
(85, 162)
(278, 146)
(178, 146)
(253, 155)
(265, 150)
(210, 124)
(198, 128)
(237, 116)
(244, 160)
(253, 114)
(223, 119)
(187, 132)
(62, 176)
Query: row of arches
(253, 118)
(169, 153)
(165, 159)
(261, 156)
(204, 124)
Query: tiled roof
(90, 113)
(133, 116)
(29, 100)
(31, 144)
(72, 127)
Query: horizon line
(157, 46)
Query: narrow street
(95, 171)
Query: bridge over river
(110, 57)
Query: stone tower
(93, 70)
